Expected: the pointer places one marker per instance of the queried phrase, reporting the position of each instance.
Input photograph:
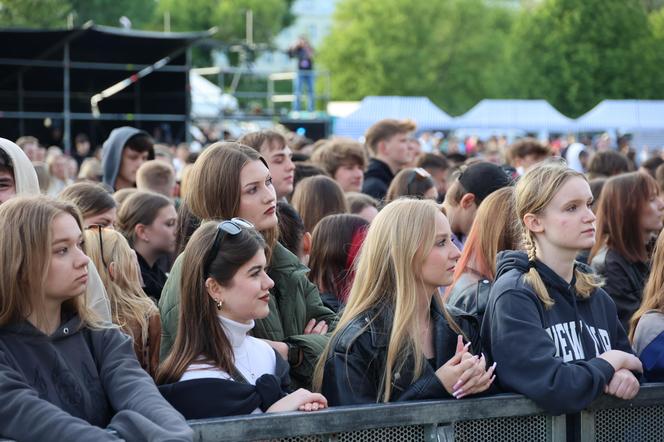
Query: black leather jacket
(355, 364)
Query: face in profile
(438, 266)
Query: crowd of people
(145, 284)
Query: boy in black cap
(466, 194)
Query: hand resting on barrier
(302, 400)
(465, 374)
(623, 384)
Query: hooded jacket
(76, 382)
(549, 355)
(27, 184)
(25, 176)
(294, 301)
(356, 360)
(377, 179)
(111, 155)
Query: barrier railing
(497, 418)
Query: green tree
(448, 50)
(107, 12)
(575, 53)
(34, 13)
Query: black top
(624, 282)
(154, 278)
(377, 179)
(212, 397)
(355, 363)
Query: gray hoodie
(111, 155)
(77, 382)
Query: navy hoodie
(549, 355)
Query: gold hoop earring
(220, 304)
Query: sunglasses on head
(417, 173)
(99, 228)
(230, 227)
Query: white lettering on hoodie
(568, 341)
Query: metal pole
(66, 136)
(21, 122)
(187, 97)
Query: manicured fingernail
(467, 345)
(456, 393)
(494, 365)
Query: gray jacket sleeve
(25, 416)
(144, 415)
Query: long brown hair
(316, 197)
(25, 255)
(214, 190)
(90, 198)
(140, 208)
(200, 336)
(533, 192)
(653, 293)
(388, 277)
(618, 214)
(331, 244)
(495, 228)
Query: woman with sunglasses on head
(395, 340)
(148, 221)
(224, 290)
(131, 308)
(414, 183)
(231, 180)
(64, 373)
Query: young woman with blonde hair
(131, 308)
(395, 340)
(647, 324)
(65, 374)
(225, 289)
(231, 180)
(495, 228)
(550, 327)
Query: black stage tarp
(33, 81)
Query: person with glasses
(225, 289)
(413, 183)
(231, 180)
(65, 374)
(131, 308)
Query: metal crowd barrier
(502, 418)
